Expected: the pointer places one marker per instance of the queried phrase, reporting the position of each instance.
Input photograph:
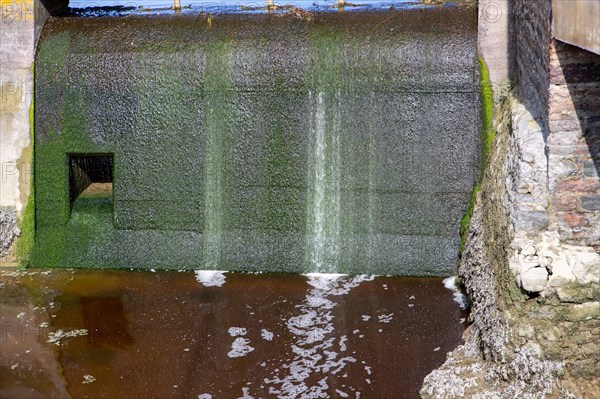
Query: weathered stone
(575, 220)
(565, 125)
(528, 248)
(584, 311)
(566, 203)
(8, 229)
(590, 169)
(577, 293)
(548, 335)
(525, 330)
(590, 349)
(591, 203)
(535, 279)
(528, 262)
(586, 266)
(558, 280)
(546, 261)
(530, 221)
(583, 369)
(587, 185)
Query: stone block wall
(574, 144)
(529, 35)
(554, 156)
(531, 264)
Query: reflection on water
(104, 318)
(169, 334)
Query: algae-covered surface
(166, 334)
(343, 143)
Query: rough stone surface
(573, 144)
(534, 279)
(527, 182)
(521, 345)
(9, 230)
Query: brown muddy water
(126, 334)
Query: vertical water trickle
(216, 125)
(373, 248)
(324, 184)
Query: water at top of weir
(236, 5)
(120, 334)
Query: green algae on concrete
(488, 135)
(213, 137)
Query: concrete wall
(17, 49)
(351, 141)
(20, 26)
(577, 22)
(492, 42)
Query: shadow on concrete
(581, 71)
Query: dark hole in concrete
(90, 174)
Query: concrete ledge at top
(577, 22)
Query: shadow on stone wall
(529, 33)
(580, 73)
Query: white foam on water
(211, 278)
(240, 347)
(325, 276)
(450, 283)
(385, 318)
(458, 296)
(343, 340)
(205, 396)
(246, 393)
(461, 299)
(314, 329)
(237, 331)
(266, 335)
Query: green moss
(54, 53)
(488, 135)
(209, 162)
(52, 248)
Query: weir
(347, 142)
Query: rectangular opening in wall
(90, 180)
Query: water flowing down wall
(348, 142)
